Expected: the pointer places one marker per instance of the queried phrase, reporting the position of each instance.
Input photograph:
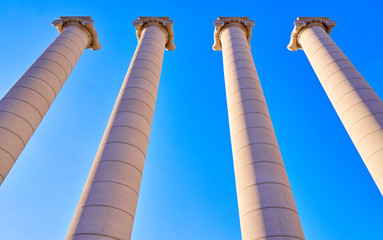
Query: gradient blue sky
(188, 188)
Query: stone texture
(357, 105)
(24, 106)
(265, 200)
(108, 204)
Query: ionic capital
(165, 22)
(303, 23)
(85, 22)
(223, 22)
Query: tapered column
(24, 106)
(108, 203)
(356, 103)
(266, 205)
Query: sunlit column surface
(357, 105)
(266, 205)
(24, 106)
(108, 203)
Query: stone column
(24, 106)
(266, 205)
(356, 103)
(108, 203)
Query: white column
(266, 204)
(108, 203)
(359, 108)
(24, 106)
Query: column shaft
(265, 200)
(24, 106)
(108, 204)
(357, 105)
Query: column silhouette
(359, 108)
(108, 203)
(265, 200)
(24, 106)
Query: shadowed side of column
(266, 204)
(24, 106)
(107, 206)
(359, 108)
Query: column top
(303, 23)
(87, 22)
(223, 22)
(142, 22)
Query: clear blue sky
(188, 189)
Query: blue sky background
(188, 188)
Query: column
(265, 200)
(359, 108)
(108, 203)
(24, 106)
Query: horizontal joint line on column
(61, 55)
(247, 100)
(286, 208)
(150, 124)
(267, 115)
(126, 126)
(67, 74)
(278, 236)
(41, 81)
(323, 46)
(140, 78)
(143, 89)
(100, 205)
(123, 99)
(247, 52)
(357, 145)
(234, 38)
(255, 184)
(122, 184)
(63, 37)
(236, 60)
(127, 144)
(242, 45)
(345, 80)
(252, 163)
(155, 32)
(251, 144)
(328, 53)
(244, 129)
(339, 70)
(75, 56)
(2, 178)
(241, 89)
(61, 84)
(33, 129)
(142, 51)
(35, 92)
(78, 37)
(368, 159)
(14, 134)
(145, 59)
(148, 69)
(146, 37)
(363, 101)
(334, 61)
(96, 234)
(120, 161)
(241, 78)
(14, 159)
(351, 91)
(319, 39)
(147, 44)
(238, 69)
(377, 179)
(369, 115)
(41, 116)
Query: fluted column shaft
(265, 200)
(108, 204)
(357, 105)
(24, 106)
